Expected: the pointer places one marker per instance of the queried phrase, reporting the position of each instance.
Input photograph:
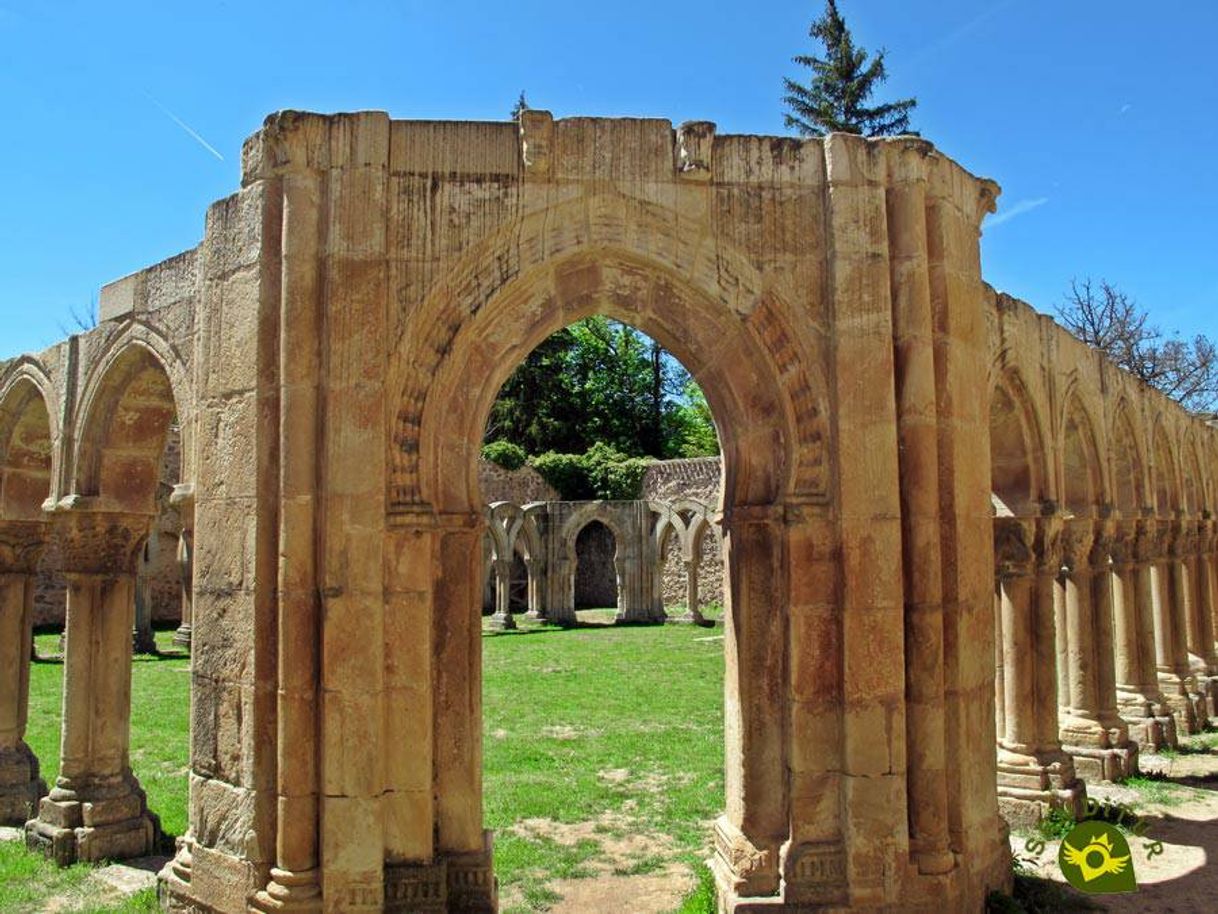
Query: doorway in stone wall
(602, 742)
(543, 792)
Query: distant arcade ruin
(969, 562)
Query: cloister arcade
(896, 674)
(545, 535)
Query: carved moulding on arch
(530, 268)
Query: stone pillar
(142, 639)
(749, 835)
(1034, 774)
(96, 810)
(461, 844)
(693, 612)
(21, 545)
(295, 882)
(533, 568)
(1203, 659)
(1091, 730)
(1168, 594)
(183, 498)
(502, 617)
(1139, 698)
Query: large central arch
(743, 385)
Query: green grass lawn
(603, 754)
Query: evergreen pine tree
(842, 82)
(520, 106)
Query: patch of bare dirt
(1183, 878)
(629, 874)
(654, 893)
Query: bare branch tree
(1107, 319)
(81, 321)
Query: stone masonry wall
(519, 486)
(696, 478)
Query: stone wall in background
(519, 486)
(697, 478)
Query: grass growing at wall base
(603, 756)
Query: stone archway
(632, 289)
(385, 277)
(26, 446)
(97, 809)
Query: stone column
(1201, 629)
(96, 810)
(1034, 774)
(142, 639)
(183, 498)
(533, 568)
(21, 545)
(295, 882)
(693, 612)
(1091, 730)
(749, 835)
(462, 844)
(502, 617)
(1168, 594)
(1139, 698)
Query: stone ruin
(969, 562)
(646, 535)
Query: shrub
(602, 472)
(566, 473)
(612, 474)
(506, 454)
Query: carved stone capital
(1149, 543)
(21, 545)
(98, 542)
(1049, 543)
(1014, 545)
(1078, 536)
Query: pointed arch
(1165, 467)
(123, 423)
(1082, 487)
(1018, 474)
(135, 347)
(1128, 462)
(28, 432)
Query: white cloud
(1023, 206)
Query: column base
(742, 870)
(290, 891)
(1207, 690)
(1183, 702)
(89, 826)
(1100, 753)
(199, 880)
(181, 637)
(455, 884)
(20, 786)
(143, 642)
(640, 617)
(1031, 785)
(503, 622)
(690, 617)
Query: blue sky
(123, 121)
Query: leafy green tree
(841, 83)
(601, 381)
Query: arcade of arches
(970, 564)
